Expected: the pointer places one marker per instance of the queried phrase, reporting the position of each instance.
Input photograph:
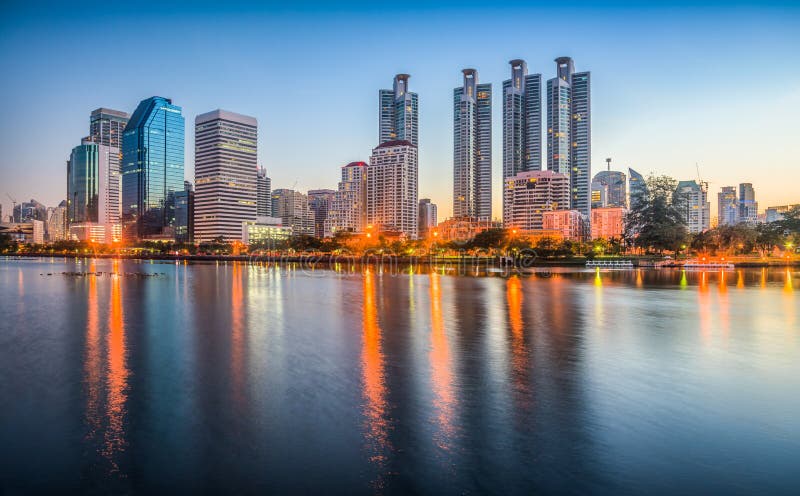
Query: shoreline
(328, 259)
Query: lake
(137, 377)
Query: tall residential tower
(472, 148)
(399, 113)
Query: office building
(748, 206)
(348, 211)
(472, 148)
(638, 189)
(399, 113)
(57, 222)
(774, 214)
(265, 232)
(392, 188)
(320, 202)
(263, 194)
(528, 194)
(152, 169)
(184, 214)
(599, 195)
(569, 224)
(292, 208)
(106, 127)
(691, 199)
(427, 217)
(225, 174)
(727, 207)
(29, 211)
(608, 222)
(569, 130)
(615, 188)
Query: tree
(490, 238)
(656, 221)
(768, 236)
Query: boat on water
(609, 264)
(708, 265)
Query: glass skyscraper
(522, 120)
(106, 126)
(472, 148)
(569, 130)
(399, 113)
(637, 188)
(616, 190)
(152, 169)
(83, 184)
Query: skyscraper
(57, 222)
(638, 189)
(569, 130)
(691, 199)
(93, 189)
(615, 187)
(348, 212)
(152, 168)
(225, 174)
(727, 208)
(528, 194)
(263, 194)
(319, 202)
(427, 217)
(399, 113)
(392, 188)
(472, 148)
(184, 214)
(748, 206)
(522, 120)
(106, 126)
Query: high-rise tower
(152, 168)
(569, 130)
(399, 113)
(522, 120)
(472, 148)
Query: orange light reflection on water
(117, 375)
(441, 368)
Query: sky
(676, 87)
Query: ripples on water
(243, 378)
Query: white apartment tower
(392, 188)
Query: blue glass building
(152, 169)
(83, 184)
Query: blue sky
(676, 84)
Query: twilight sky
(712, 83)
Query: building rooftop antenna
(608, 164)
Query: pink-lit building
(569, 223)
(608, 222)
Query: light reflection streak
(441, 369)
(237, 337)
(519, 353)
(376, 426)
(704, 304)
(118, 373)
(93, 364)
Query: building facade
(427, 217)
(615, 188)
(94, 189)
(399, 113)
(320, 202)
(569, 131)
(152, 169)
(263, 194)
(57, 222)
(748, 206)
(637, 188)
(184, 214)
(691, 199)
(528, 194)
(225, 174)
(472, 148)
(727, 207)
(569, 224)
(522, 120)
(608, 223)
(348, 211)
(291, 207)
(106, 127)
(392, 188)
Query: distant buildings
(184, 214)
(57, 222)
(727, 207)
(464, 229)
(569, 130)
(692, 201)
(320, 201)
(569, 224)
(427, 217)
(399, 113)
(348, 210)
(638, 189)
(748, 206)
(774, 214)
(608, 222)
(29, 211)
(472, 148)
(528, 194)
(612, 183)
(225, 174)
(291, 207)
(392, 188)
(152, 169)
(263, 194)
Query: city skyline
(668, 134)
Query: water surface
(150, 377)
